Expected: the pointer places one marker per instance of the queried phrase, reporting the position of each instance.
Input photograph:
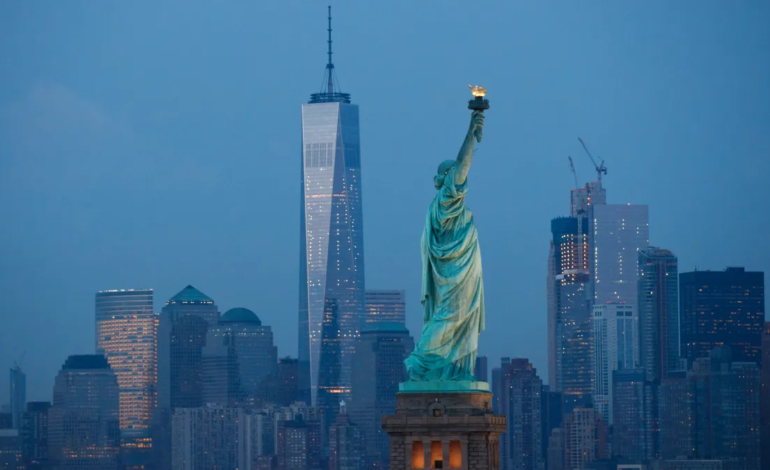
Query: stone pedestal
(444, 430)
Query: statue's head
(443, 170)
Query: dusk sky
(157, 144)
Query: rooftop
(190, 295)
(86, 361)
(240, 315)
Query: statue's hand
(477, 123)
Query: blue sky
(156, 144)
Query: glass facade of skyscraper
(722, 307)
(658, 312)
(616, 347)
(385, 306)
(618, 233)
(126, 330)
(331, 240)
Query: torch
(478, 103)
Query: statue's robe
(452, 290)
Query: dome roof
(190, 295)
(240, 315)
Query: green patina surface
(444, 386)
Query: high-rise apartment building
(585, 438)
(346, 444)
(722, 308)
(298, 443)
(211, 437)
(658, 312)
(84, 421)
(635, 430)
(331, 232)
(18, 395)
(570, 330)
(238, 359)
(482, 369)
(517, 396)
(378, 368)
(387, 306)
(618, 233)
(126, 329)
(34, 434)
(616, 347)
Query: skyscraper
(585, 438)
(385, 306)
(346, 444)
(482, 369)
(84, 422)
(10, 450)
(658, 312)
(634, 407)
(298, 443)
(618, 232)
(616, 347)
(283, 389)
(211, 437)
(126, 335)
(722, 307)
(378, 368)
(239, 357)
(18, 395)
(34, 433)
(570, 330)
(764, 400)
(331, 232)
(517, 396)
(184, 323)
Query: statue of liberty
(452, 284)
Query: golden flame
(478, 90)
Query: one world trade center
(331, 297)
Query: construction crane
(17, 363)
(574, 173)
(599, 168)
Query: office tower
(568, 309)
(346, 444)
(634, 408)
(616, 347)
(331, 388)
(722, 307)
(239, 357)
(6, 419)
(184, 323)
(552, 410)
(585, 438)
(618, 232)
(84, 421)
(658, 298)
(283, 388)
(674, 416)
(734, 417)
(517, 396)
(211, 437)
(385, 306)
(34, 433)
(298, 443)
(378, 368)
(764, 400)
(18, 395)
(331, 232)
(482, 369)
(715, 412)
(126, 335)
(10, 450)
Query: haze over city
(159, 146)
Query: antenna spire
(330, 65)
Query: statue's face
(443, 171)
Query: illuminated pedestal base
(444, 430)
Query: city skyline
(63, 318)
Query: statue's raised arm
(464, 158)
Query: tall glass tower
(331, 237)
